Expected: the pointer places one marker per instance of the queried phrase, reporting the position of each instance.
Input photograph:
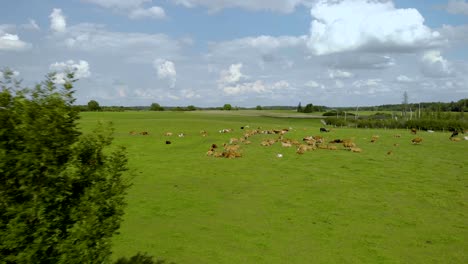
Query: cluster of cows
(232, 148)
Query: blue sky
(243, 52)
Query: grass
(321, 207)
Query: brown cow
(417, 140)
(357, 150)
(144, 133)
(414, 131)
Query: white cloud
(11, 42)
(133, 47)
(31, 25)
(457, 7)
(312, 84)
(404, 79)
(166, 70)
(435, 65)
(350, 25)
(339, 74)
(261, 44)
(258, 87)
(133, 8)
(57, 21)
(121, 4)
(80, 68)
(282, 6)
(233, 75)
(152, 12)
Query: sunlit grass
(321, 207)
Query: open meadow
(394, 202)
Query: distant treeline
(441, 121)
(459, 106)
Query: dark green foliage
(422, 124)
(299, 108)
(140, 259)
(93, 106)
(61, 193)
(227, 107)
(191, 108)
(156, 107)
(259, 107)
(308, 108)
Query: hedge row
(422, 124)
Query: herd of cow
(231, 149)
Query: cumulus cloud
(57, 21)
(404, 79)
(80, 68)
(258, 87)
(435, 65)
(314, 84)
(11, 42)
(232, 75)
(281, 6)
(351, 25)
(133, 8)
(152, 12)
(336, 73)
(457, 7)
(165, 69)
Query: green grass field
(321, 207)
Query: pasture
(325, 206)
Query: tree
(308, 108)
(61, 192)
(259, 107)
(93, 106)
(299, 108)
(156, 107)
(227, 107)
(191, 108)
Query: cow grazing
(414, 131)
(322, 129)
(390, 152)
(181, 135)
(168, 134)
(347, 144)
(454, 134)
(417, 140)
(144, 133)
(168, 142)
(374, 139)
(357, 150)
